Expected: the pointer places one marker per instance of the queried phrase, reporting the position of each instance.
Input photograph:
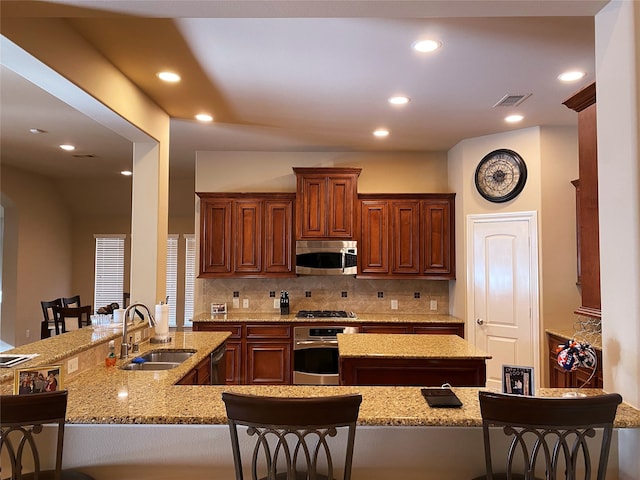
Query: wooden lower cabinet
(210, 371)
(256, 353)
(422, 328)
(268, 363)
(262, 353)
(234, 362)
(385, 328)
(560, 378)
(413, 371)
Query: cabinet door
(268, 362)
(191, 378)
(372, 328)
(437, 234)
(559, 378)
(278, 230)
(374, 238)
(234, 363)
(215, 236)
(441, 329)
(312, 206)
(341, 196)
(248, 236)
(405, 237)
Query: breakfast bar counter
(142, 425)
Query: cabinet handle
(479, 321)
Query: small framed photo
(517, 380)
(46, 378)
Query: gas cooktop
(325, 314)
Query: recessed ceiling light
(381, 132)
(426, 45)
(126, 173)
(37, 131)
(513, 118)
(168, 77)
(399, 100)
(204, 117)
(571, 76)
(68, 148)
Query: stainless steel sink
(150, 366)
(177, 356)
(159, 360)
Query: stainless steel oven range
(315, 348)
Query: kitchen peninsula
(397, 359)
(142, 425)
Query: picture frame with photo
(45, 378)
(517, 380)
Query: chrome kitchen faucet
(124, 348)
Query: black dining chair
(71, 301)
(82, 314)
(21, 420)
(48, 316)
(548, 438)
(292, 437)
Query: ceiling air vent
(84, 155)
(512, 100)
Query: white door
(503, 291)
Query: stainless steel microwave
(326, 257)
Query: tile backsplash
(332, 293)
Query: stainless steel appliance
(326, 257)
(315, 348)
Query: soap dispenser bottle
(110, 361)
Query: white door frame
(532, 219)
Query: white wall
(618, 94)
(159, 452)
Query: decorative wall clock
(501, 175)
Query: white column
(618, 97)
(149, 223)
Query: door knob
(479, 321)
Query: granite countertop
(119, 397)
(567, 333)
(110, 395)
(379, 345)
(365, 317)
(54, 349)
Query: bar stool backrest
(293, 437)
(549, 437)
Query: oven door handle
(314, 343)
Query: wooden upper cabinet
(584, 102)
(215, 235)
(405, 239)
(373, 250)
(278, 236)
(326, 200)
(437, 237)
(246, 235)
(407, 235)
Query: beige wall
(382, 172)
(54, 222)
(43, 252)
(551, 157)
